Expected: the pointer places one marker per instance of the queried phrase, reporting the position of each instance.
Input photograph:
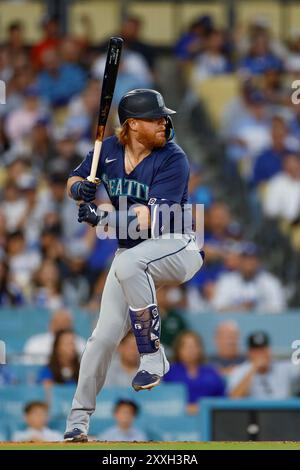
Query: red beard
(152, 139)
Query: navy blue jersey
(162, 175)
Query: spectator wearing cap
(250, 288)
(125, 412)
(261, 376)
(227, 346)
(192, 41)
(282, 195)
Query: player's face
(151, 132)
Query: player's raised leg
(139, 270)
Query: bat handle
(95, 161)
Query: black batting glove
(88, 213)
(84, 190)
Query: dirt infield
(96, 445)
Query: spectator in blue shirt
(59, 82)
(269, 162)
(189, 368)
(260, 56)
(192, 41)
(63, 366)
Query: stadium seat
(14, 398)
(25, 374)
(269, 10)
(183, 428)
(83, 322)
(166, 404)
(103, 15)
(28, 13)
(14, 425)
(98, 426)
(167, 400)
(164, 401)
(159, 21)
(292, 12)
(215, 93)
(18, 324)
(4, 431)
(281, 328)
(61, 400)
(58, 424)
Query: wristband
(75, 190)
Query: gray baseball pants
(131, 281)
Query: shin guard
(146, 327)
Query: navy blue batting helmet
(145, 104)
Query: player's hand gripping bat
(108, 86)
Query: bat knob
(97, 181)
(117, 40)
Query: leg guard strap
(146, 327)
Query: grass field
(94, 445)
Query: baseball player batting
(142, 164)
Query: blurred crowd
(48, 259)
(48, 125)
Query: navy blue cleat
(145, 381)
(76, 435)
